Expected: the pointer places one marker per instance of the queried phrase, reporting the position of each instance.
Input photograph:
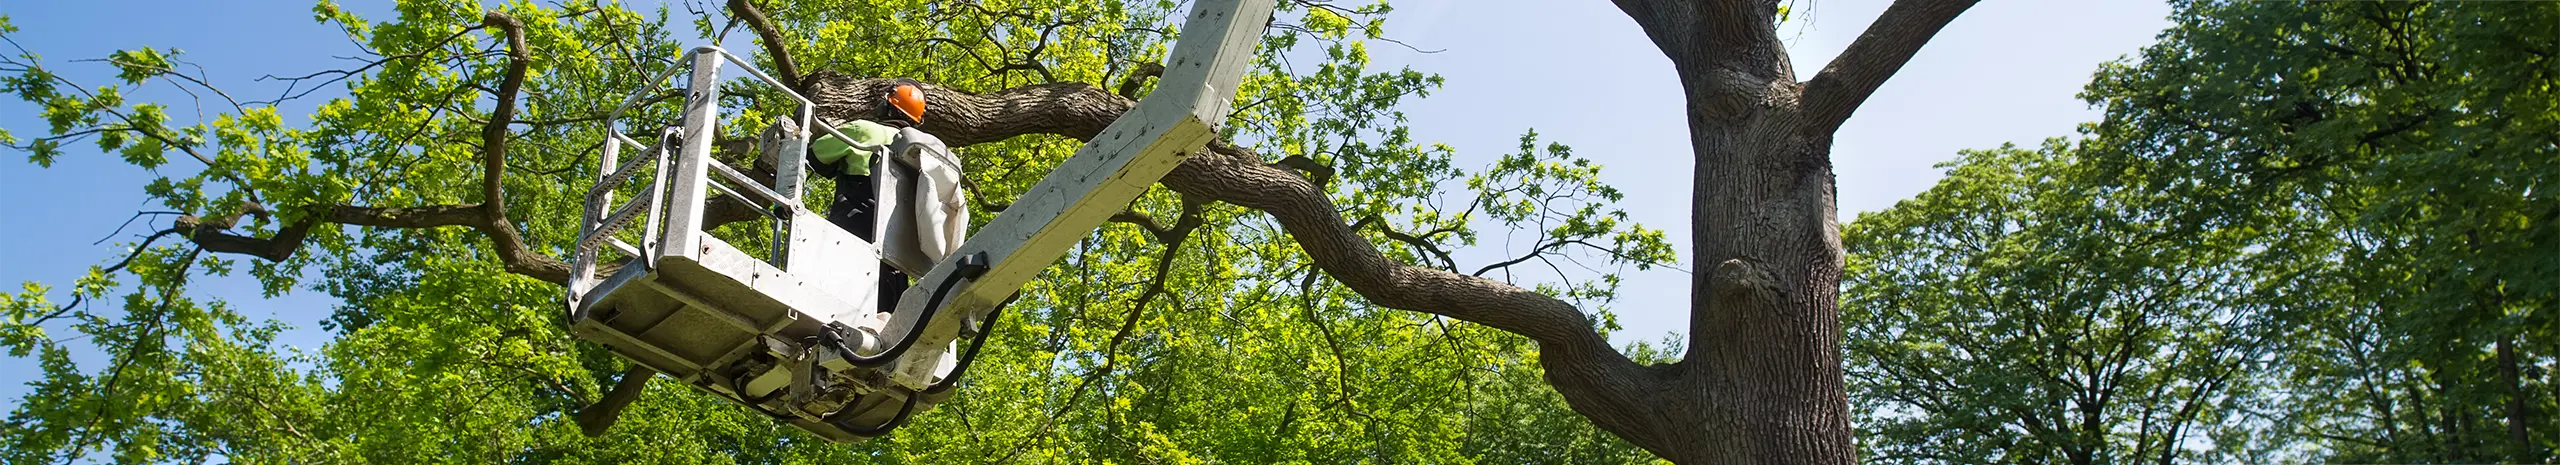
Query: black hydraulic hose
(907, 409)
(971, 267)
(976, 342)
(841, 418)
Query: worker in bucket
(897, 187)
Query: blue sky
(2004, 72)
(59, 214)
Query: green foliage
(1230, 348)
(2347, 203)
(2026, 311)
(2411, 142)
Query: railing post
(790, 151)
(649, 233)
(701, 120)
(582, 262)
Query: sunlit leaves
(133, 66)
(19, 314)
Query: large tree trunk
(1763, 379)
(1764, 366)
(1763, 374)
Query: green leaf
(135, 66)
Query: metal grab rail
(603, 190)
(621, 218)
(752, 187)
(676, 156)
(596, 228)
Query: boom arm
(1179, 118)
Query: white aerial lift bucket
(794, 334)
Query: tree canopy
(2318, 232)
(1185, 332)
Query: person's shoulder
(868, 126)
(913, 134)
(869, 132)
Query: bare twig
(336, 75)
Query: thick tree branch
(1316, 172)
(1877, 54)
(493, 133)
(1658, 19)
(783, 67)
(1726, 52)
(217, 237)
(510, 245)
(1072, 109)
(1728, 27)
(214, 238)
(1228, 174)
(1593, 375)
(489, 216)
(1233, 175)
(598, 417)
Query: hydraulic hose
(842, 419)
(971, 267)
(976, 342)
(907, 409)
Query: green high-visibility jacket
(869, 139)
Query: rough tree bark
(1762, 379)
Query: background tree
(2029, 310)
(2363, 189)
(2413, 141)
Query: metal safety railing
(670, 212)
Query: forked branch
(1878, 53)
(489, 217)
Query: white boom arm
(1179, 118)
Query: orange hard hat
(908, 96)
